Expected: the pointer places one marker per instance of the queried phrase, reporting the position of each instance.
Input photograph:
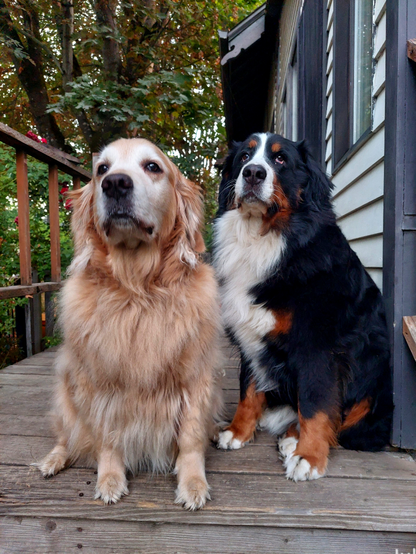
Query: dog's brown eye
(245, 157)
(102, 169)
(279, 159)
(153, 167)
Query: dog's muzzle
(253, 179)
(117, 186)
(118, 192)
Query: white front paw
(226, 441)
(53, 462)
(111, 487)
(192, 493)
(297, 468)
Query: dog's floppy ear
(226, 191)
(188, 237)
(319, 187)
(82, 226)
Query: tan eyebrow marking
(252, 143)
(276, 147)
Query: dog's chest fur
(243, 259)
(132, 341)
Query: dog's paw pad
(52, 464)
(111, 487)
(193, 493)
(226, 441)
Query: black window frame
(343, 110)
(311, 49)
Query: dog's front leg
(305, 447)
(57, 459)
(111, 479)
(193, 489)
(249, 411)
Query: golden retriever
(137, 384)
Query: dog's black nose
(254, 174)
(117, 185)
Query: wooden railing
(57, 161)
(409, 333)
(411, 49)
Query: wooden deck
(367, 503)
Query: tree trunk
(29, 71)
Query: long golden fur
(137, 384)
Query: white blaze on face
(260, 159)
(152, 192)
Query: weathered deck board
(367, 502)
(237, 499)
(259, 458)
(71, 535)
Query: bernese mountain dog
(306, 317)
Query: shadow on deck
(367, 503)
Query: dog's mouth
(250, 197)
(123, 219)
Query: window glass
(294, 83)
(362, 67)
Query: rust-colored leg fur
(356, 414)
(241, 430)
(316, 436)
(305, 449)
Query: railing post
(76, 183)
(36, 318)
(24, 237)
(23, 215)
(54, 223)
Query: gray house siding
(359, 182)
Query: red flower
(32, 136)
(64, 189)
(16, 220)
(44, 141)
(68, 204)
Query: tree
(86, 71)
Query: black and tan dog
(307, 318)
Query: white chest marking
(243, 259)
